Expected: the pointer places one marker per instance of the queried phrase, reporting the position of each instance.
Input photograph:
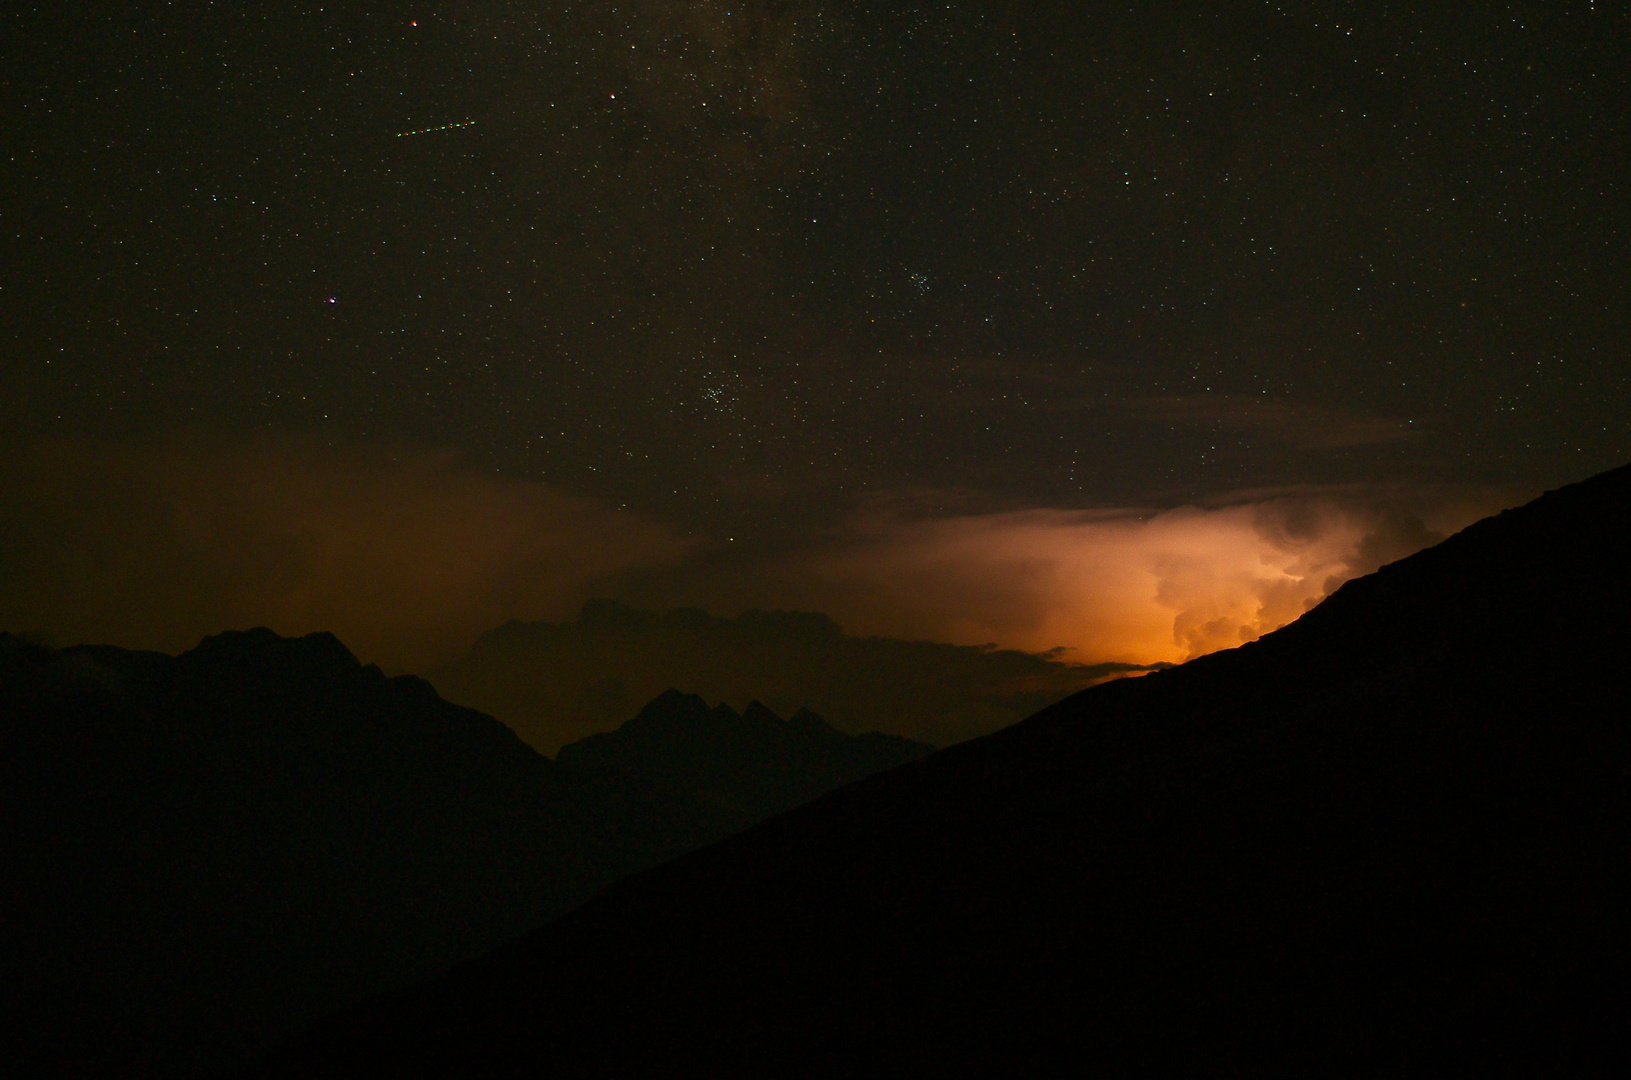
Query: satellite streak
(444, 127)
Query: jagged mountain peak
(757, 712)
(318, 654)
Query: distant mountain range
(558, 682)
(204, 852)
(748, 766)
(1388, 839)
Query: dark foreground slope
(1390, 838)
(203, 853)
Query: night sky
(757, 290)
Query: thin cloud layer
(406, 554)
(1300, 424)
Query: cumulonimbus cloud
(1110, 585)
(407, 554)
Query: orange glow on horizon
(408, 555)
(1167, 586)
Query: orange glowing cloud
(1105, 585)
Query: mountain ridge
(210, 850)
(755, 762)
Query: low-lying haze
(409, 554)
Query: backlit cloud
(1105, 585)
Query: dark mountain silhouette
(754, 765)
(556, 682)
(1389, 839)
(204, 853)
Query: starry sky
(781, 285)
